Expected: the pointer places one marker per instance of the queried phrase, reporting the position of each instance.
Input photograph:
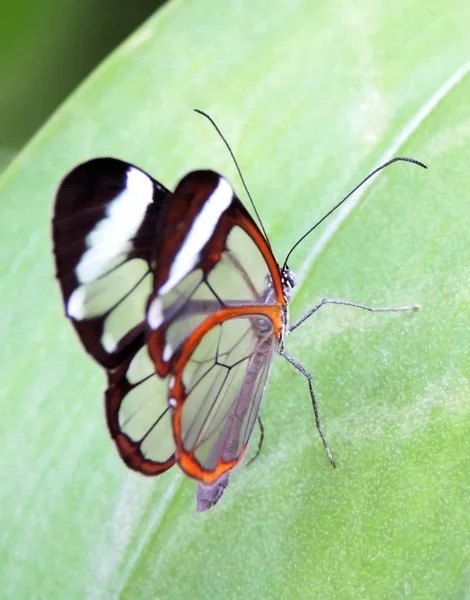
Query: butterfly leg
(260, 443)
(308, 377)
(355, 305)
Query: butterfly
(179, 298)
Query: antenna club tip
(414, 161)
(201, 112)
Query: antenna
(222, 137)
(388, 163)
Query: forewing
(216, 258)
(216, 393)
(104, 235)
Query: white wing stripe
(200, 233)
(113, 234)
(76, 304)
(155, 314)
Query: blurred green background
(311, 96)
(46, 49)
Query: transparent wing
(216, 393)
(104, 235)
(214, 321)
(138, 415)
(217, 258)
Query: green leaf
(311, 96)
(6, 156)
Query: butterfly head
(288, 281)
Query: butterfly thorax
(288, 281)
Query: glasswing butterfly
(181, 287)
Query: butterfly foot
(330, 458)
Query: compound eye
(289, 278)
